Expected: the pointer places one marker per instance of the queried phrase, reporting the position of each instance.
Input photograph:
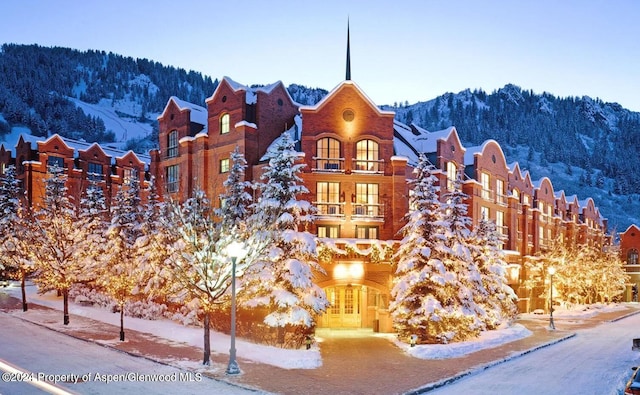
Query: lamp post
(234, 250)
(552, 271)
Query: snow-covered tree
(496, 297)
(120, 272)
(419, 296)
(282, 281)
(61, 252)
(14, 226)
(465, 317)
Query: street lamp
(234, 250)
(552, 271)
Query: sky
(401, 51)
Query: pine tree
(283, 282)
(495, 297)
(419, 294)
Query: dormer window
(224, 124)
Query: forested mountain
(585, 146)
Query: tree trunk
(121, 322)
(65, 298)
(207, 340)
(24, 292)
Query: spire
(348, 76)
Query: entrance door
(344, 311)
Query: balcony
(328, 165)
(368, 166)
(487, 194)
(329, 210)
(501, 199)
(367, 212)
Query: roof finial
(348, 76)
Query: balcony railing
(503, 230)
(329, 165)
(331, 210)
(367, 211)
(487, 194)
(501, 199)
(368, 166)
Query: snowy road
(40, 351)
(597, 361)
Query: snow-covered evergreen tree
(283, 281)
(465, 317)
(496, 297)
(14, 228)
(60, 249)
(421, 278)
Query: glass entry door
(344, 311)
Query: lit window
(486, 185)
(172, 177)
(366, 232)
(328, 198)
(452, 173)
(331, 231)
(224, 124)
(632, 257)
(484, 213)
(94, 172)
(367, 156)
(172, 144)
(224, 165)
(328, 154)
(502, 199)
(367, 200)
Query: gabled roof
(198, 113)
(337, 89)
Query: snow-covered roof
(470, 154)
(198, 113)
(412, 140)
(78, 146)
(251, 93)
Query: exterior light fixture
(552, 271)
(234, 250)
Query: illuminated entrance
(345, 309)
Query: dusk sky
(400, 50)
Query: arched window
(224, 123)
(328, 155)
(172, 144)
(367, 156)
(632, 257)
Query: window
(172, 178)
(224, 165)
(331, 231)
(129, 175)
(484, 213)
(172, 144)
(94, 172)
(367, 199)
(516, 194)
(334, 299)
(328, 198)
(632, 257)
(224, 123)
(452, 173)
(55, 161)
(328, 154)
(367, 156)
(502, 199)
(485, 179)
(366, 232)
(500, 223)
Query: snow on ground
(124, 129)
(286, 358)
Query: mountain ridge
(586, 146)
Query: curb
(441, 383)
(624, 316)
(132, 354)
